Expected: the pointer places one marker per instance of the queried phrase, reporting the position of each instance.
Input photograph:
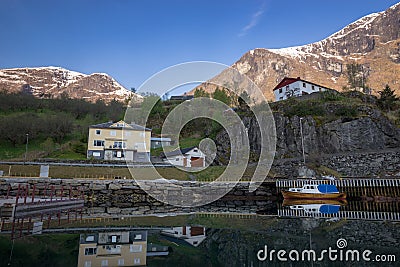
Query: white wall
(297, 88)
(178, 160)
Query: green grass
(44, 250)
(181, 255)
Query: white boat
(314, 191)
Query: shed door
(197, 162)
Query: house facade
(119, 141)
(296, 87)
(113, 249)
(187, 157)
(193, 235)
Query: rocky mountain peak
(48, 82)
(372, 41)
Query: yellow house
(119, 141)
(113, 249)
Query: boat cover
(327, 188)
(329, 209)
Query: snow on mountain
(372, 41)
(365, 29)
(52, 81)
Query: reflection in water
(126, 248)
(227, 240)
(193, 235)
(228, 232)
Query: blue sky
(133, 39)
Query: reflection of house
(119, 141)
(295, 87)
(113, 249)
(157, 142)
(157, 250)
(186, 157)
(193, 235)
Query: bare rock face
(370, 132)
(51, 82)
(373, 41)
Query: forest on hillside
(50, 124)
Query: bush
(327, 96)
(346, 111)
(305, 108)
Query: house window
(98, 143)
(136, 261)
(113, 133)
(119, 144)
(304, 85)
(135, 248)
(88, 264)
(312, 87)
(90, 251)
(281, 98)
(98, 132)
(280, 90)
(121, 262)
(177, 159)
(104, 263)
(320, 89)
(195, 150)
(96, 154)
(120, 125)
(287, 88)
(118, 154)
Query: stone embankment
(125, 197)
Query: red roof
(286, 81)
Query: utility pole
(26, 146)
(302, 141)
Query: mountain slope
(48, 82)
(373, 41)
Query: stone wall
(124, 197)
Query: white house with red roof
(295, 87)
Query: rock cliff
(366, 129)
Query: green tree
(200, 92)
(387, 98)
(221, 95)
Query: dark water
(234, 239)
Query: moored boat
(300, 201)
(314, 191)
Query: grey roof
(177, 152)
(102, 237)
(107, 125)
(135, 236)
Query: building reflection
(192, 235)
(126, 248)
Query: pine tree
(387, 98)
